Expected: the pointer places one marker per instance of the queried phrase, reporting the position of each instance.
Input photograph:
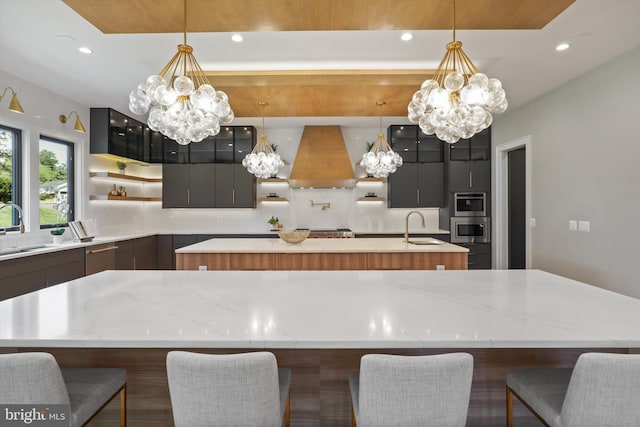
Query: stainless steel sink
(427, 241)
(17, 250)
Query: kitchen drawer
(479, 261)
(479, 255)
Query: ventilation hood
(322, 160)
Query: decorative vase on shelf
(121, 167)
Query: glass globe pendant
(459, 101)
(380, 160)
(180, 101)
(263, 162)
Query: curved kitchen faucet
(16, 207)
(406, 224)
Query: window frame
(71, 187)
(16, 175)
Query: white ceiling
(39, 41)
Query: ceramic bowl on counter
(293, 236)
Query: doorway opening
(513, 219)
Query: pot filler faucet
(16, 207)
(406, 225)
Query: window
(10, 174)
(56, 182)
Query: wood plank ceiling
(315, 92)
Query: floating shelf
(273, 180)
(115, 175)
(372, 199)
(372, 179)
(126, 198)
(273, 199)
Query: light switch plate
(584, 226)
(573, 225)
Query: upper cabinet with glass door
(117, 134)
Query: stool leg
(509, 408)
(353, 417)
(123, 406)
(287, 413)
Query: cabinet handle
(96, 251)
(418, 195)
(188, 196)
(233, 196)
(470, 179)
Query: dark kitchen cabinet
(420, 182)
(188, 186)
(211, 174)
(175, 186)
(154, 146)
(22, 275)
(470, 164)
(137, 254)
(117, 134)
(234, 187)
(470, 176)
(202, 191)
(479, 257)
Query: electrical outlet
(533, 223)
(573, 225)
(202, 268)
(440, 267)
(584, 226)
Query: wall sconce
(14, 105)
(78, 127)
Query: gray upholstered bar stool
(246, 389)
(36, 378)
(412, 390)
(601, 390)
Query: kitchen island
(322, 254)
(319, 323)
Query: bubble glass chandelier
(263, 162)
(181, 103)
(459, 101)
(380, 160)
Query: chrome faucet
(16, 207)
(406, 224)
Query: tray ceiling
(321, 93)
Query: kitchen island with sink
(318, 323)
(322, 254)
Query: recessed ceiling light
(85, 50)
(562, 46)
(406, 37)
(237, 38)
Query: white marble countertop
(322, 245)
(321, 309)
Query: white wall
(586, 152)
(42, 109)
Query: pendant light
(380, 160)
(181, 103)
(459, 101)
(263, 162)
